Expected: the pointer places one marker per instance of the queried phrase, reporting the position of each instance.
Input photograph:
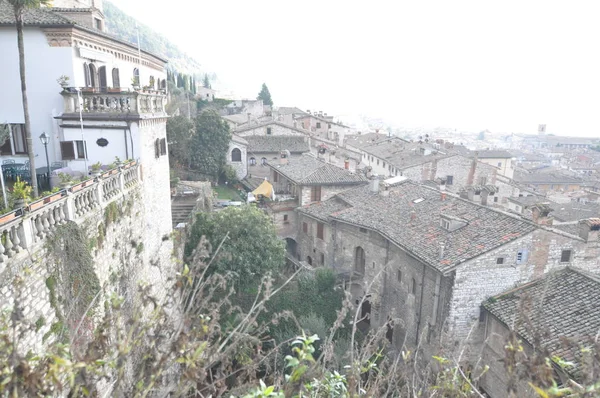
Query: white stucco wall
(44, 64)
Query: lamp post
(45, 138)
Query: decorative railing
(23, 228)
(114, 103)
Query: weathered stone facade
(116, 216)
(239, 163)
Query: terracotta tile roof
(308, 170)
(492, 154)
(32, 16)
(561, 304)
(277, 143)
(410, 216)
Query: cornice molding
(72, 36)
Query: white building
(69, 40)
(105, 118)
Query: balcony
(115, 103)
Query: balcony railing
(23, 228)
(133, 102)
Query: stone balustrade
(23, 228)
(133, 102)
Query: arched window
(359, 260)
(236, 155)
(163, 84)
(263, 161)
(102, 79)
(115, 77)
(93, 76)
(86, 74)
(136, 77)
(309, 260)
(252, 161)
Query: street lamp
(45, 138)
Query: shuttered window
(315, 194)
(320, 230)
(157, 148)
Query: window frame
(236, 155)
(499, 260)
(305, 227)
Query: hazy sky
(501, 65)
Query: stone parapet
(24, 228)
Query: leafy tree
(265, 95)
(179, 135)
(250, 247)
(18, 7)
(210, 143)
(206, 81)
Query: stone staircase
(181, 209)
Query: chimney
(347, 164)
(471, 176)
(413, 216)
(442, 247)
(284, 157)
(589, 229)
(249, 115)
(385, 190)
(374, 183)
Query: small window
(263, 161)
(315, 194)
(115, 78)
(318, 125)
(305, 228)
(98, 22)
(399, 276)
(275, 177)
(269, 130)
(499, 164)
(500, 260)
(521, 256)
(482, 180)
(449, 180)
(320, 230)
(495, 199)
(322, 259)
(67, 150)
(363, 230)
(445, 224)
(413, 286)
(329, 125)
(285, 218)
(163, 146)
(136, 76)
(565, 256)
(252, 161)
(384, 165)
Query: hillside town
(447, 252)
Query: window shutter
(157, 148)
(163, 146)
(67, 150)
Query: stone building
(237, 156)
(502, 160)
(561, 306)
(299, 182)
(264, 149)
(427, 259)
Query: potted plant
(65, 180)
(96, 169)
(152, 81)
(21, 192)
(63, 80)
(135, 83)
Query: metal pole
(48, 163)
(80, 99)
(3, 189)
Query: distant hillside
(123, 26)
